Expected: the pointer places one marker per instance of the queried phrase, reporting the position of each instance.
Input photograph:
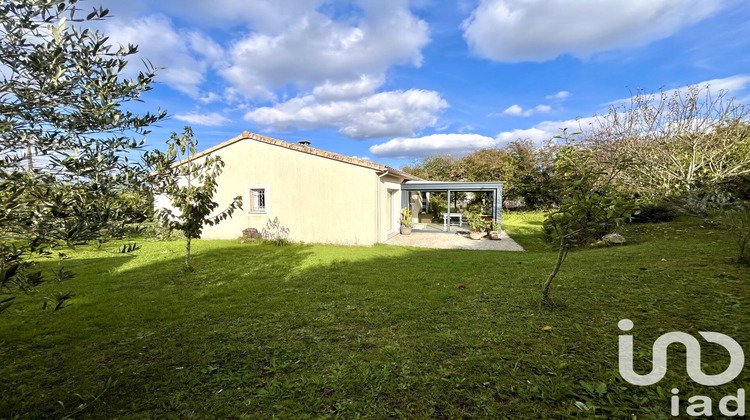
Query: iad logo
(702, 405)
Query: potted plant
(495, 232)
(478, 226)
(406, 221)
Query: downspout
(378, 213)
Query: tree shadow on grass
(262, 330)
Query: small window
(258, 200)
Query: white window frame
(249, 198)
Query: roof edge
(247, 135)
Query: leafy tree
(531, 178)
(485, 165)
(680, 142)
(590, 205)
(190, 184)
(523, 167)
(66, 143)
(434, 168)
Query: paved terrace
(453, 240)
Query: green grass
(258, 331)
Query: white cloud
(209, 97)
(313, 49)
(384, 114)
(456, 143)
(736, 83)
(212, 119)
(513, 110)
(365, 85)
(517, 111)
(537, 135)
(263, 15)
(292, 45)
(561, 95)
(403, 148)
(159, 42)
(545, 130)
(541, 30)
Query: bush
(437, 206)
(654, 212)
(156, 231)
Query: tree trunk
(187, 254)
(545, 287)
(29, 157)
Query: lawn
(258, 331)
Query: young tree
(190, 185)
(590, 205)
(65, 139)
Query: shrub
(654, 212)
(477, 222)
(437, 206)
(275, 233)
(156, 231)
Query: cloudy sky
(395, 80)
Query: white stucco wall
(318, 199)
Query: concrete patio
(453, 240)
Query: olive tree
(190, 184)
(67, 143)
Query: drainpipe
(378, 213)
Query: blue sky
(396, 80)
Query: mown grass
(308, 331)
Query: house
(318, 196)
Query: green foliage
(190, 185)
(157, 231)
(406, 217)
(437, 206)
(654, 212)
(59, 301)
(738, 187)
(128, 248)
(531, 180)
(477, 222)
(524, 168)
(17, 272)
(590, 206)
(65, 142)
(434, 168)
(485, 165)
(679, 141)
